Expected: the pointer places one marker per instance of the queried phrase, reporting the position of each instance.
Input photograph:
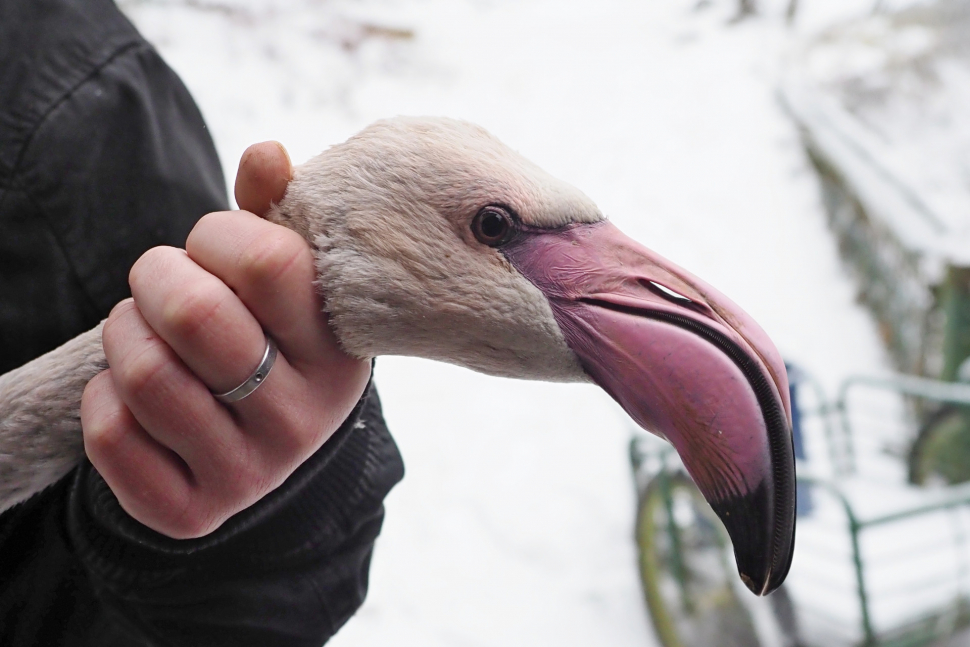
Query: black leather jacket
(103, 154)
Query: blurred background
(810, 158)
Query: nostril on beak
(665, 292)
(677, 298)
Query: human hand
(178, 461)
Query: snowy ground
(514, 523)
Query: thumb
(264, 171)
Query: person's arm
(190, 467)
(116, 167)
(117, 160)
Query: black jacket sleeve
(287, 572)
(103, 154)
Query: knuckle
(193, 526)
(104, 419)
(293, 436)
(237, 491)
(189, 519)
(211, 224)
(120, 310)
(211, 219)
(180, 513)
(143, 370)
(210, 227)
(187, 312)
(104, 436)
(148, 263)
(274, 256)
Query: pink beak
(686, 364)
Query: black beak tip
(763, 543)
(752, 585)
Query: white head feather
(390, 211)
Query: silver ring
(253, 381)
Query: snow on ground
(513, 525)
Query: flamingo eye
(492, 226)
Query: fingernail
(289, 162)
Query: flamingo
(433, 239)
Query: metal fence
(879, 561)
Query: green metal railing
(954, 497)
(945, 499)
(654, 467)
(906, 385)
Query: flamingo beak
(686, 364)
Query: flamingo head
(435, 240)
